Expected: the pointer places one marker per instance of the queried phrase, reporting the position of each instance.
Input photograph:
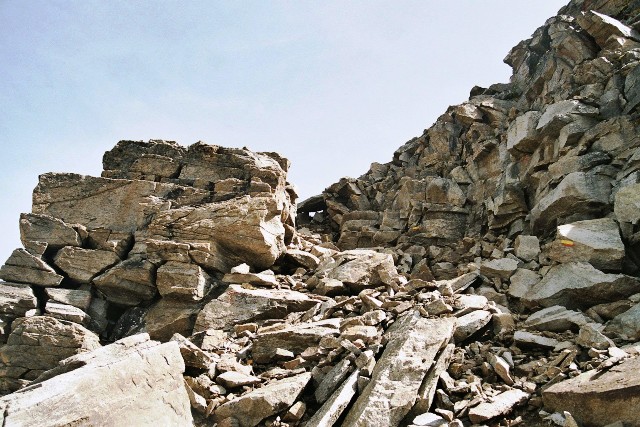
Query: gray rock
(330, 411)
(501, 404)
(627, 204)
(142, 378)
(528, 340)
(359, 269)
(595, 241)
(167, 317)
(266, 278)
(67, 312)
(470, 323)
(427, 390)
(107, 240)
(626, 325)
(128, 283)
(597, 398)
(527, 248)
(232, 379)
(502, 268)
(37, 344)
(413, 343)
(179, 280)
(332, 380)
(82, 265)
(521, 135)
(22, 267)
(240, 305)
(191, 354)
(47, 229)
(429, 420)
(522, 281)
(601, 27)
(295, 338)
(251, 408)
(578, 192)
(579, 285)
(590, 336)
(556, 116)
(75, 297)
(556, 319)
(16, 299)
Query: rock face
(142, 378)
(488, 274)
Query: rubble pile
(488, 275)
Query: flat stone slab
(501, 404)
(599, 398)
(413, 344)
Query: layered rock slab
(239, 305)
(599, 398)
(414, 343)
(139, 377)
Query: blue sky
(332, 85)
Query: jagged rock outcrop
(490, 273)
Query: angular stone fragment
(527, 248)
(67, 312)
(595, 241)
(597, 398)
(521, 135)
(470, 323)
(141, 378)
(191, 354)
(502, 404)
(108, 240)
(129, 282)
(47, 229)
(627, 204)
(427, 390)
(82, 265)
(601, 27)
(360, 268)
(167, 317)
(556, 319)
(522, 281)
(556, 116)
(332, 380)
(527, 339)
(590, 336)
(251, 408)
(22, 267)
(179, 280)
(330, 411)
(75, 297)
(413, 343)
(625, 325)
(266, 278)
(302, 258)
(240, 305)
(502, 268)
(16, 299)
(232, 379)
(579, 285)
(578, 192)
(295, 338)
(37, 344)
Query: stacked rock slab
(489, 274)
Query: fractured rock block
(23, 267)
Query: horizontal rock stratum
(489, 274)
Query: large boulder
(133, 381)
(599, 398)
(37, 344)
(595, 241)
(24, 267)
(580, 285)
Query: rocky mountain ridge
(488, 275)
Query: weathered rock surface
(251, 408)
(141, 378)
(37, 344)
(413, 344)
(16, 299)
(241, 305)
(23, 267)
(594, 241)
(579, 285)
(82, 265)
(599, 398)
(181, 280)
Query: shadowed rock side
(488, 275)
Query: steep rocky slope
(488, 275)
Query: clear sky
(332, 85)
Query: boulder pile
(488, 275)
